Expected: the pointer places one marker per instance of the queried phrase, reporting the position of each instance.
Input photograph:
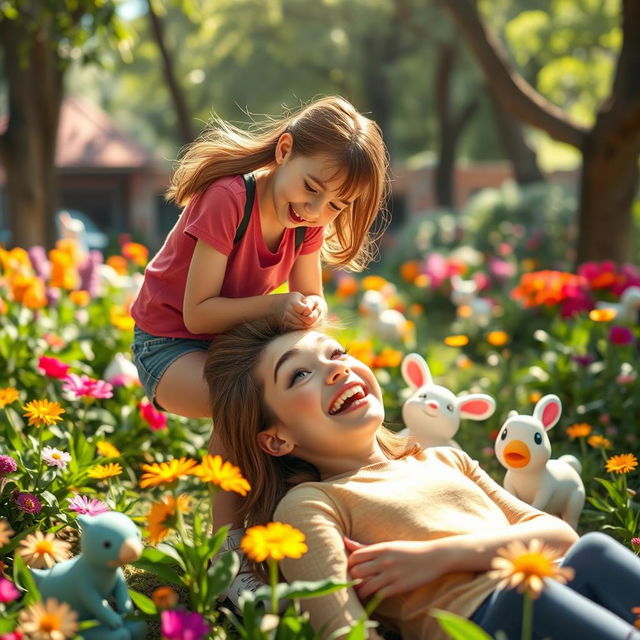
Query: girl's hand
(315, 311)
(391, 568)
(298, 311)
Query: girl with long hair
(303, 420)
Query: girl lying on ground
(304, 420)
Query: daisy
(43, 550)
(8, 395)
(103, 471)
(107, 450)
(623, 463)
(161, 518)
(87, 506)
(52, 620)
(527, 567)
(42, 412)
(84, 386)
(55, 458)
(223, 474)
(274, 541)
(160, 473)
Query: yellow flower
(107, 450)
(526, 567)
(42, 412)
(599, 442)
(464, 311)
(456, 341)
(274, 541)
(602, 315)
(5, 532)
(161, 518)
(166, 472)
(497, 338)
(164, 598)
(579, 430)
(534, 396)
(103, 471)
(52, 620)
(623, 463)
(8, 395)
(373, 282)
(223, 474)
(121, 319)
(43, 550)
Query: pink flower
(626, 378)
(28, 503)
(8, 591)
(7, 465)
(55, 458)
(154, 418)
(87, 506)
(178, 624)
(88, 387)
(13, 635)
(622, 336)
(53, 368)
(635, 543)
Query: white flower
(55, 458)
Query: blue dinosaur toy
(109, 540)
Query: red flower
(53, 368)
(622, 336)
(154, 418)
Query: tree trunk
(34, 79)
(524, 161)
(185, 128)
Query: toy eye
(107, 544)
(450, 407)
(422, 396)
(503, 435)
(537, 438)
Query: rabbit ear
(548, 410)
(476, 406)
(415, 371)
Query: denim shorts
(152, 356)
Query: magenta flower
(8, 591)
(12, 635)
(622, 336)
(87, 506)
(154, 418)
(88, 387)
(28, 503)
(635, 544)
(53, 368)
(178, 624)
(7, 465)
(55, 458)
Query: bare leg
(182, 389)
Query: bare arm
(205, 311)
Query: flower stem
(273, 581)
(39, 472)
(527, 617)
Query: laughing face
(327, 405)
(305, 188)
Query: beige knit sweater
(446, 494)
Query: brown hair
(240, 413)
(330, 126)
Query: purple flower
(87, 506)
(7, 465)
(8, 591)
(86, 386)
(28, 503)
(178, 624)
(583, 361)
(622, 336)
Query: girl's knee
(589, 550)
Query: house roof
(88, 138)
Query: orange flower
(579, 430)
(602, 315)
(118, 264)
(81, 297)
(422, 281)
(223, 474)
(546, 288)
(51, 620)
(599, 442)
(463, 362)
(456, 340)
(534, 396)
(347, 287)
(167, 473)
(388, 357)
(373, 282)
(63, 272)
(464, 311)
(135, 252)
(164, 598)
(410, 270)
(497, 338)
(623, 463)
(274, 541)
(362, 350)
(43, 550)
(42, 412)
(8, 395)
(161, 518)
(35, 296)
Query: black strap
(250, 187)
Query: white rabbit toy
(523, 448)
(432, 413)
(628, 307)
(388, 324)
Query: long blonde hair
(329, 126)
(240, 412)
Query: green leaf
(302, 589)
(25, 580)
(459, 628)
(145, 604)
(159, 569)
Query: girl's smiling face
(306, 189)
(326, 405)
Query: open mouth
(349, 398)
(295, 217)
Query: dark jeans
(595, 605)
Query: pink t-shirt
(252, 268)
